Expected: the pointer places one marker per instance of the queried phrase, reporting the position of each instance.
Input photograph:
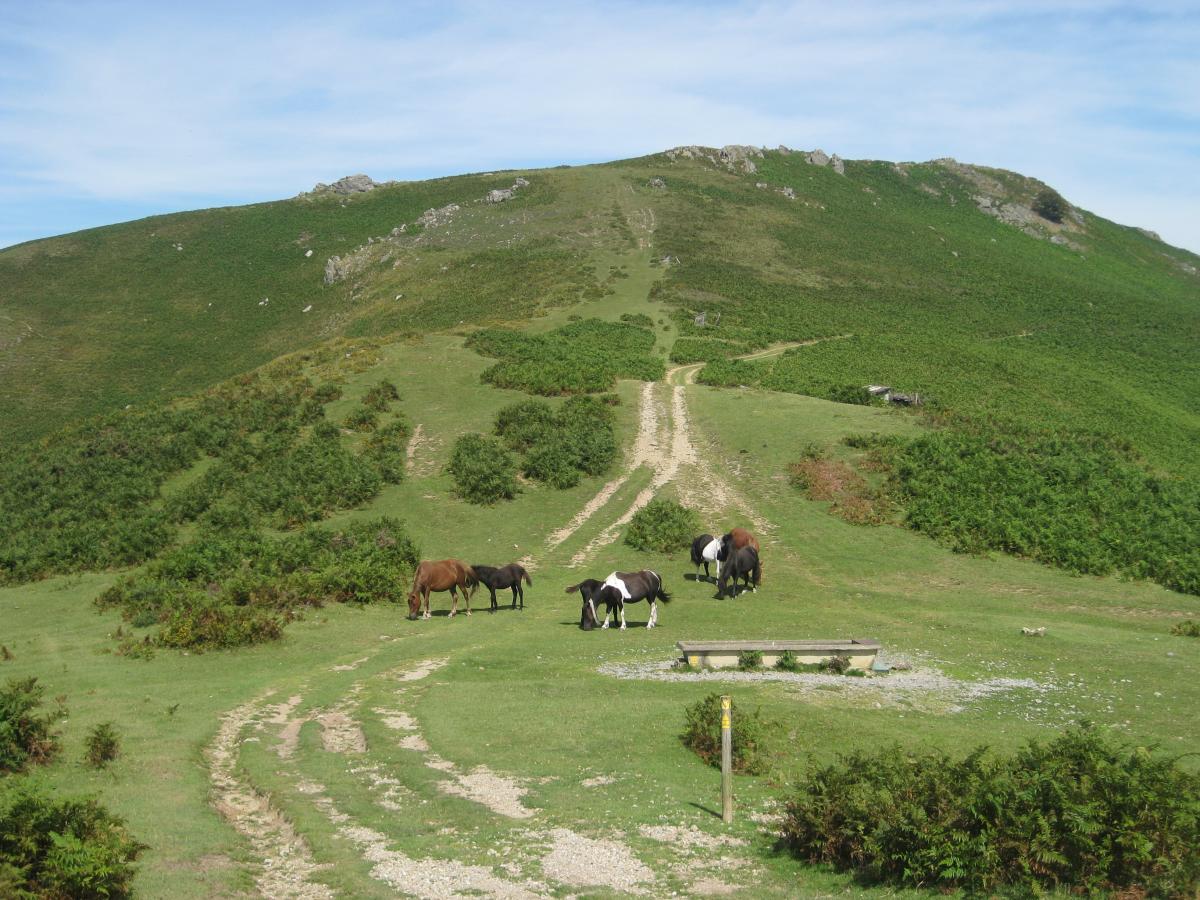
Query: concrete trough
(724, 654)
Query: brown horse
(735, 540)
(442, 575)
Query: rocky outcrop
(656, 183)
(734, 157)
(788, 192)
(1153, 235)
(499, 195)
(817, 157)
(837, 164)
(433, 218)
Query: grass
(510, 698)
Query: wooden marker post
(726, 760)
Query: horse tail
(757, 572)
(528, 580)
(471, 579)
(697, 559)
(572, 589)
(660, 593)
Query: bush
(702, 735)
(662, 526)
(787, 662)
(26, 734)
(1186, 628)
(63, 848)
(750, 659)
(380, 397)
(102, 746)
(484, 472)
(1049, 204)
(835, 665)
(1081, 813)
(362, 419)
(849, 393)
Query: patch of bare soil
(349, 667)
(422, 670)
(429, 879)
(286, 864)
(481, 785)
(583, 861)
(689, 837)
(341, 734)
(598, 781)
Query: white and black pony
(742, 565)
(708, 549)
(614, 592)
(509, 576)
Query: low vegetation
(484, 471)
(102, 746)
(1187, 628)
(560, 446)
(749, 735)
(228, 587)
(27, 733)
(58, 848)
(662, 526)
(580, 357)
(1081, 813)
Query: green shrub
(849, 393)
(63, 848)
(639, 319)
(484, 472)
(230, 588)
(386, 451)
(362, 418)
(26, 734)
(1049, 204)
(749, 660)
(702, 735)
(1081, 813)
(102, 745)
(380, 396)
(581, 357)
(662, 526)
(787, 662)
(1187, 628)
(837, 664)
(326, 392)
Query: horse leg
(495, 605)
(467, 597)
(621, 611)
(425, 600)
(607, 613)
(653, 614)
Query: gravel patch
(499, 794)
(578, 860)
(349, 667)
(598, 781)
(422, 669)
(898, 690)
(689, 836)
(341, 734)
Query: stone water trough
(724, 654)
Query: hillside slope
(947, 284)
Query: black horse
(707, 549)
(643, 585)
(509, 576)
(743, 564)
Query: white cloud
(143, 103)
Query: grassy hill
(220, 570)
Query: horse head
(414, 601)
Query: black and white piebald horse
(708, 549)
(742, 565)
(614, 592)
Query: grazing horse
(744, 565)
(509, 576)
(442, 575)
(707, 549)
(736, 539)
(617, 590)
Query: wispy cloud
(105, 106)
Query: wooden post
(726, 760)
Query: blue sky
(111, 111)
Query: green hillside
(221, 457)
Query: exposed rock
(307, 254)
(837, 164)
(353, 184)
(338, 268)
(929, 189)
(761, 185)
(817, 157)
(1034, 632)
(1153, 235)
(735, 155)
(656, 183)
(788, 192)
(786, 151)
(433, 218)
(498, 195)
(520, 183)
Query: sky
(111, 111)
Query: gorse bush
(662, 526)
(63, 848)
(90, 497)
(102, 745)
(748, 734)
(750, 659)
(787, 662)
(1081, 813)
(362, 419)
(380, 396)
(1049, 204)
(484, 471)
(558, 447)
(1188, 628)
(229, 588)
(581, 357)
(27, 733)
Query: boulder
(817, 158)
(520, 183)
(656, 183)
(788, 192)
(499, 195)
(837, 164)
(353, 184)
